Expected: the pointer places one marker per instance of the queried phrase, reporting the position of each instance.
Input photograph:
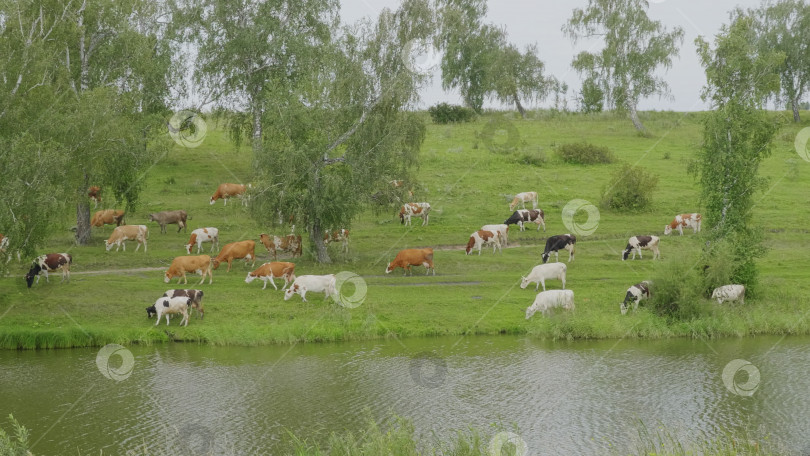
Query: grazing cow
(556, 243)
(635, 294)
(289, 243)
(314, 283)
(170, 218)
(268, 271)
(201, 235)
(684, 220)
(481, 237)
(522, 216)
(138, 233)
(543, 272)
(50, 262)
(226, 191)
(639, 243)
(107, 217)
(166, 305)
(200, 264)
(729, 293)
(235, 251)
(341, 236)
(414, 209)
(94, 192)
(547, 300)
(412, 257)
(522, 198)
(501, 228)
(195, 296)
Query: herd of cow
(181, 301)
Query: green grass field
(468, 185)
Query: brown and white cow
(201, 235)
(412, 257)
(639, 243)
(170, 218)
(522, 198)
(341, 236)
(684, 220)
(195, 297)
(226, 191)
(93, 193)
(200, 264)
(289, 243)
(50, 262)
(481, 237)
(268, 271)
(236, 250)
(414, 209)
(107, 217)
(522, 216)
(138, 233)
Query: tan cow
(412, 257)
(200, 264)
(268, 271)
(341, 236)
(107, 217)
(226, 191)
(235, 251)
(289, 243)
(138, 233)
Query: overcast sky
(540, 22)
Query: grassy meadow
(468, 184)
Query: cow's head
(667, 230)
(623, 308)
(153, 217)
(470, 245)
(388, 268)
(108, 245)
(524, 282)
(291, 291)
(215, 262)
(167, 277)
(545, 256)
(29, 278)
(626, 252)
(531, 310)
(249, 278)
(150, 311)
(402, 216)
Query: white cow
(201, 235)
(315, 283)
(729, 293)
(501, 228)
(543, 272)
(547, 300)
(138, 233)
(166, 306)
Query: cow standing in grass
(559, 242)
(522, 216)
(684, 220)
(638, 243)
(635, 295)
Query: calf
(547, 300)
(226, 191)
(315, 283)
(49, 263)
(521, 198)
(543, 272)
(501, 228)
(412, 257)
(341, 236)
(93, 193)
(289, 243)
(166, 306)
(481, 237)
(729, 293)
(138, 233)
(201, 235)
(522, 216)
(684, 220)
(235, 251)
(639, 243)
(200, 264)
(635, 294)
(170, 218)
(268, 271)
(556, 243)
(107, 217)
(195, 297)
(414, 209)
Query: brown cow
(169, 218)
(289, 243)
(107, 217)
(412, 257)
(235, 251)
(93, 192)
(268, 271)
(200, 264)
(226, 191)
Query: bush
(585, 153)
(631, 188)
(444, 113)
(676, 289)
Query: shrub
(444, 113)
(584, 153)
(630, 188)
(676, 289)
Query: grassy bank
(468, 184)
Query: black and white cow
(636, 294)
(49, 263)
(639, 243)
(559, 242)
(195, 295)
(522, 216)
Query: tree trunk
(316, 234)
(83, 222)
(256, 137)
(634, 117)
(795, 103)
(520, 107)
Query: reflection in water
(564, 398)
